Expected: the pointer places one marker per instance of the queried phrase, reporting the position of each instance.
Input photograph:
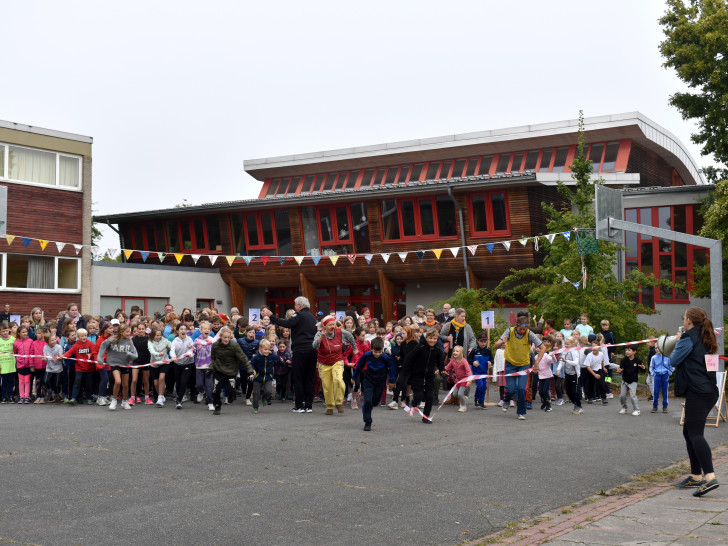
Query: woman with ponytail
(698, 385)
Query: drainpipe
(462, 236)
(121, 240)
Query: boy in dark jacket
(225, 359)
(480, 359)
(264, 364)
(249, 344)
(420, 366)
(375, 368)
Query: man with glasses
(518, 341)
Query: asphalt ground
(87, 475)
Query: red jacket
(99, 341)
(84, 354)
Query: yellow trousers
(332, 380)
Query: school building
(335, 225)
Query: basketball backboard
(608, 205)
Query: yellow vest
(518, 350)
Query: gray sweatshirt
(180, 347)
(121, 353)
(54, 362)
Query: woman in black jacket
(696, 381)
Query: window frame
(335, 241)
(4, 284)
(196, 249)
(6, 172)
(418, 236)
(259, 228)
(488, 202)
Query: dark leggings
(572, 389)
(181, 377)
(697, 408)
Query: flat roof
(45, 132)
(633, 125)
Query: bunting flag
(368, 258)
(77, 248)
(43, 244)
(420, 254)
(550, 237)
(112, 252)
(567, 235)
(161, 256)
(437, 252)
(298, 259)
(26, 241)
(334, 258)
(316, 260)
(195, 257)
(454, 251)
(231, 259)
(351, 257)
(402, 255)
(179, 257)
(523, 241)
(564, 279)
(490, 247)
(128, 253)
(264, 259)
(246, 259)
(506, 245)
(473, 249)
(60, 247)
(282, 259)
(576, 284)
(213, 258)
(535, 243)
(385, 257)
(145, 255)
(10, 239)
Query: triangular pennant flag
(368, 258)
(437, 252)
(455, 251)
(213, 259)
(506, 245)
(334, 258)
(179, 257)
(490, 247)
(247, 259)
(472, 249)
(523, 241)
(566, 234)
(195, 257)
(43, 244)
(264, 259)
(60, 246)
(231, 259)
(550, 237)
(145, 255)
(402, 255)
(385, 256)
(282, 259)
(565, 279)
(112, 252)
(26, 240)
(576, 284)
(420, 254)
(298, 259)
(351, 257)
(316, 260)
(10, 239)
(535, 243)
(161, 256)
(77, 248)
(128, 253)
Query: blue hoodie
(375, 369)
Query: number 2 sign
(254, 317)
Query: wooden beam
(386, 291)
(308, 290)
(237, 293)
(475, 282)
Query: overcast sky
(177, 94)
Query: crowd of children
(210, 358)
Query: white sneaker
(211, 407)
(125, 405)
(102, 401)
(179, 405)
(623, 411)
(463, 408)
(392, 405)
(522, 417)
(610, 395)
(422, 405)
(112, 406)
(248, 402)
(500, 403)
(200, 397)
(390, 393)
(160, 401)
(636, 412)
(513, 404)
(185, 398)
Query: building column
(386, 291)
(86, 222)
(237, 293)
(475, 282)
(308, 290)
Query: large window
(200, 234)
(27, 271)
(429, 218)
(489, 214)
(339, 229)
(261, 233)
(21, 164)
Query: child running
(158, 349)
(119, 352)
(264, 365)
(225, 359)
(461, 368)
(629, 367)
(374, 367)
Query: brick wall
(654, 171)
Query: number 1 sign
(487, 320)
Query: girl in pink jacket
(461, 368)
(23, 349)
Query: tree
(474, 301)
(599, 293)
(696, 46)
(715, 226)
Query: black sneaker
(688, 482)
(705, 487)
(653, 410)
(367, 426)
(216, 412)
(664, 410)
(426, 421)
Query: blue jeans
(481, 386)
(661, 383)
(516, 385)
(7, 384)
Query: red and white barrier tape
(157, 362)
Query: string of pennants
(98, 252)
